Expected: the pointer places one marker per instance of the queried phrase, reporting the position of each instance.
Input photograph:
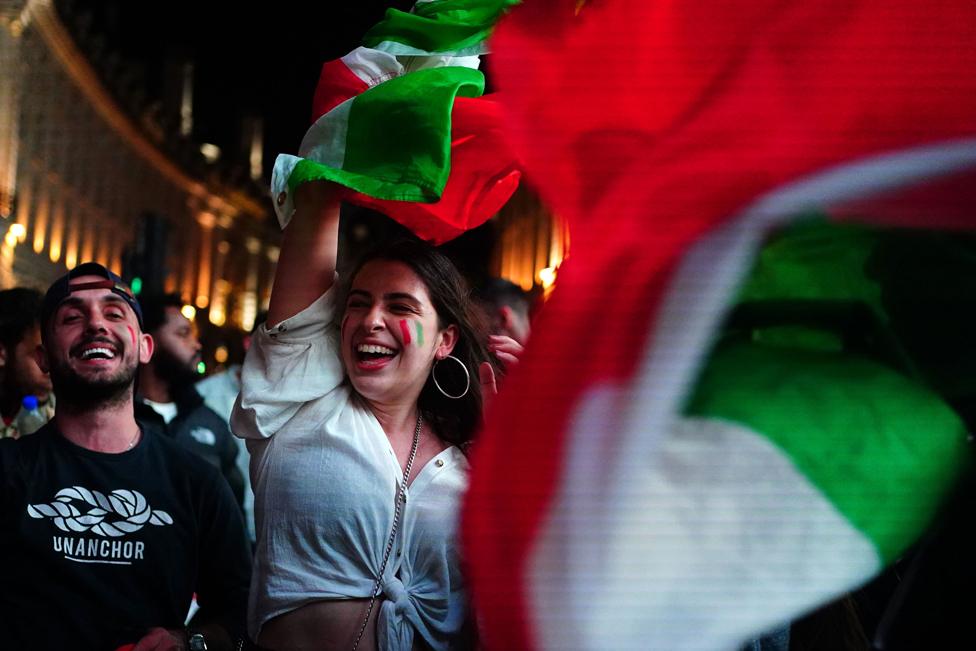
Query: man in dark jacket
(166, 400)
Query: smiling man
(109, 529)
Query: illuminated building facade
(79, 176)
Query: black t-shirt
(96, 549)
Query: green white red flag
(404, 128)
(632, 490)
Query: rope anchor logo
(119, 513)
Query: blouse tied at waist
(324, 476)
(405, 611)
(398, 617)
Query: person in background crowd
(110, 529)
(219, 392)
(166, 399)
(349, 405)
(506, 307)
(20, 376)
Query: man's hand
(161, 639)
(506, 349)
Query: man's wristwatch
(195, 642)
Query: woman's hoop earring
(467, 378)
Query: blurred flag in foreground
(639, 484)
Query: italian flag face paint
(412, 331)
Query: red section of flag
(484, 171)
(336, 84)
(484, 174)
(646, 124)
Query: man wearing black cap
(108, 530)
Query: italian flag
(645, 480)
(404, 126)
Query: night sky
(247, 58)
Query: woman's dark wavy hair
(455, 421)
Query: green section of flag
(398, 137)
(440, 26)
(883, 449)
(817, 260)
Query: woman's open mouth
(373, 356)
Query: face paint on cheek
(420, 333)
(405, 331)
(132, 335)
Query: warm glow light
(10, 240)
(220, 355)
(255, 158)
(115, 256)
(207, 221)
(57, 233)
(189, 312)
(210, 151)
(18, 231)
(249, 311)
(547, 276)
(218, 303)
(88, 242)
(217, 316)
(104, 242)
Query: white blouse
(325, 476)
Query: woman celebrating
(353, 412)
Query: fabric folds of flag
(437, 26)
(639, 484)
(409, 133)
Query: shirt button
(439, 463)
(282, 196)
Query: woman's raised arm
(307, 263)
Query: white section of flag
(724, 536)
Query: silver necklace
(399, 500)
